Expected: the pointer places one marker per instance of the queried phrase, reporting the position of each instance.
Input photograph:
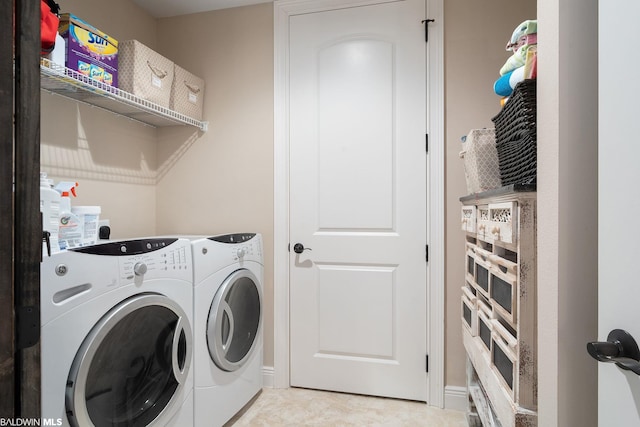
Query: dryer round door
(131, 368)
(234, 320)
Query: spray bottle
(70, 231)
(50, 208)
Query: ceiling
(167, 8)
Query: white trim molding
(281, 197)
(283, 10)
(456, 398)
(435, 202)
(267, 376)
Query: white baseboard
(268, 376)
(455, 398)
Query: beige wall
(475, 37)
(120, 19)
(222, 180)
(113, 159)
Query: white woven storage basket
(481, 167)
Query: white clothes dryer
(228, 275)
(116, 334)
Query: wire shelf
(71, 84)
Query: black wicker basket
(515, 127)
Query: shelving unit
(71, 84)
(499, 306)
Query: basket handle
(192, 88)
(157, 71)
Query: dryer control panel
(212, 254)
(240, 246)
(246, 251)
(233, 238)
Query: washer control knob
(241, 252)
(140, 268)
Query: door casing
(283, 9)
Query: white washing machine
(228, 275)
(116, 334)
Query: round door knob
(299, 248)
(140, 268)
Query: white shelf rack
(71, 84)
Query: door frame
(283, 10)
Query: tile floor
(302, 407)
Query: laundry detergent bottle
(50, 209)
(70, 227)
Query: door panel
(358, 200)
(618, 154)
(356, 189)
(366, 332)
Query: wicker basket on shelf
(516, 143)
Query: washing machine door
(234, 320)
(132, 366)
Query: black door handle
(620, 348)
(299, 248)
(46, 237)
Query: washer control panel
(144, 259)
(127, 247)
(166, 262)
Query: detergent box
(88, 50)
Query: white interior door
(358, 200)
(619, 204)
